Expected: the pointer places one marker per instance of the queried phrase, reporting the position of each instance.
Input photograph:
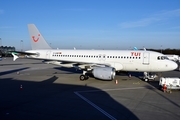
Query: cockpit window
(165, 57)
(162, 58)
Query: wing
(77, 65)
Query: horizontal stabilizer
(14, 57)
(16, 54)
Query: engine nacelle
(104, 73)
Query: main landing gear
(84, 76)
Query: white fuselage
(121, 60)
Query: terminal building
(5, 51)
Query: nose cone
(174, 65)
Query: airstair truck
(169, 83)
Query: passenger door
(48, 54)
(146, 56)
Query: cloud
(176, 27)
(152, 19)
(140, 23)
(168, 14)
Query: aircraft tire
(82, 77)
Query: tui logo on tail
(35, 40)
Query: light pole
(161, 48)
(21, 45)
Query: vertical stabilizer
(37, 40)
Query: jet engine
(104, 73)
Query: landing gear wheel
(83, 77)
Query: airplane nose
(174, 65)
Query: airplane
(175, 58)
(103, 64)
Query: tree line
(167, 51)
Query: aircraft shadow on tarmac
(76, 71)
(69, 70)
(13, 71)
(9, 64)
(22, 99)
(27, 100)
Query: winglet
(14, 57)
(135, 48)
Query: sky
(92, 24)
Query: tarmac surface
(31, 90)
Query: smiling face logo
(35, 40)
